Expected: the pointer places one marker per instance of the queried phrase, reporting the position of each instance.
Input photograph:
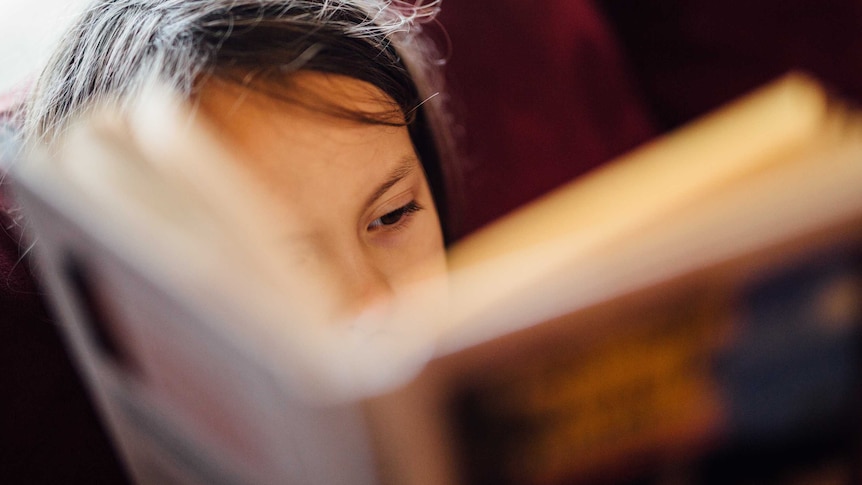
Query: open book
(689, 313)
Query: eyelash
(400, 216)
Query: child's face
(355, 193)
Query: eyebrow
(404, 168)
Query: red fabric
(542, 91)
(690, 56)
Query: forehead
(301, 141)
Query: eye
(396, 217)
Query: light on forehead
(330, 95)
(291, 138)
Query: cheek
(419, 254)
(433, 252)
(433, 256)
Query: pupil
(392, 217)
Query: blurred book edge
(689, 313)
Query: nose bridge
(363, 281)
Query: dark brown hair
(117, 46)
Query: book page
(585, 224)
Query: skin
(360, 209)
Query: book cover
(689, 313)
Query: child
(329, 103)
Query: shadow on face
(353, 205)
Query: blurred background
(27, 29)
